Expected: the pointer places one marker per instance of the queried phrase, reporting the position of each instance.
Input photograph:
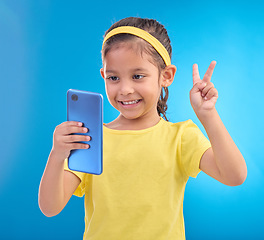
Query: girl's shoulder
(180, 128)
(182, 124)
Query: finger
(74, 129)
(209, 72)
(196, 76)
(71, 123)
(76, 138)
(211, 94)
(206, 89)
(75, 123)
(198, 87)
(78, 146)
(61, 128)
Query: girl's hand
(64, 140)
(203, 95)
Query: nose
(126, 88)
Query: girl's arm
(223, 161)
(57, 186)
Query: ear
(167, 75)
(102, 72)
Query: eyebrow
(131, 70)
(139, 70)
(110, 71)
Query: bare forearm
(51, 190)
(57, 186)
(228, 158)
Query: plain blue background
(47, 47)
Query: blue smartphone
(87, 107)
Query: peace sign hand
(203, 95)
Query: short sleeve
(193, 146)
(79, 192)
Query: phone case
(87, 107)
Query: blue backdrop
(47, 47)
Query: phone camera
(74, 97)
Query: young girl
(147, 160)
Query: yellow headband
(144, 35)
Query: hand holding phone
(66, 138)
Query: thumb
(198, 87)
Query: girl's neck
(122, 123)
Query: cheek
(153, 90)
(157, 94)
(110, 91)
(151, 94)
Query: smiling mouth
(130, 102)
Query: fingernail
(79, 123)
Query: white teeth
(131, 102)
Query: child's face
(132, 82)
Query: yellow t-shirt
(140, 193)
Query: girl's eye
(113, 78)
(137, 76)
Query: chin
(131, 116)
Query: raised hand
(203, 95)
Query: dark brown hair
(155, 29)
